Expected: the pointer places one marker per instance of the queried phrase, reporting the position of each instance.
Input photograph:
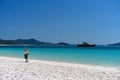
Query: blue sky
(72, 21)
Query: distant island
(115, 44)
(30, 42)
(34, 42)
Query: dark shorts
(25, 55)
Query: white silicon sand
(17, 69)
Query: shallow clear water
(96, 56)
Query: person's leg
(26, 59)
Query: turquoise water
(94, 56)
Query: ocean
(101, 55)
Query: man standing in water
(26, 53)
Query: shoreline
(57, 62)
(61, 62)
(49, 70)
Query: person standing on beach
(26, 53)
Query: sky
(71, 21)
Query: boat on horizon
(86, 45)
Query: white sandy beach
(17, 69)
